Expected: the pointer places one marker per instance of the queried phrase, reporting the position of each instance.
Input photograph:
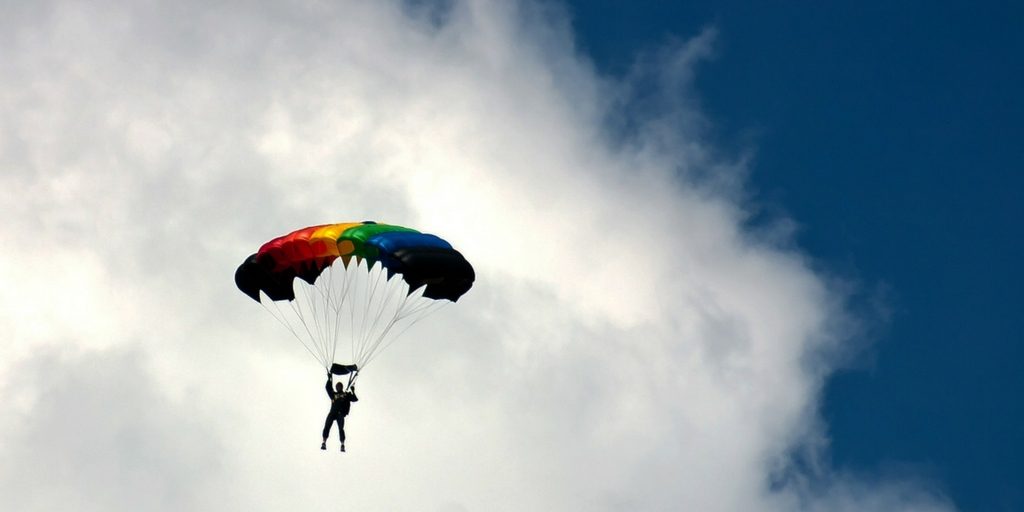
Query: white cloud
(91, 431)
(627, 346)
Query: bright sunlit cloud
(627, 346)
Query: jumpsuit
(340, 405)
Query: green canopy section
(360, 235)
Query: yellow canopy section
(329, 235)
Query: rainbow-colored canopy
(421, 259)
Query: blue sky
(891, 132)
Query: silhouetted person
(341, 402)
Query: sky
(907, 115)
(671, 311)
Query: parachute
(341, 281)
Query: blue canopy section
(394, 241)
(391, 242)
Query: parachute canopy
(347, 278)
(421, 259)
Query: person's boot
(342, 446)
(323, 445)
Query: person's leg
(327, 431)
(341, 431)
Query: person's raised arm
(330, 385)
(352, 392)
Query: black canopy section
(256, 273)
(445, 272)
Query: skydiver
(341, 402)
